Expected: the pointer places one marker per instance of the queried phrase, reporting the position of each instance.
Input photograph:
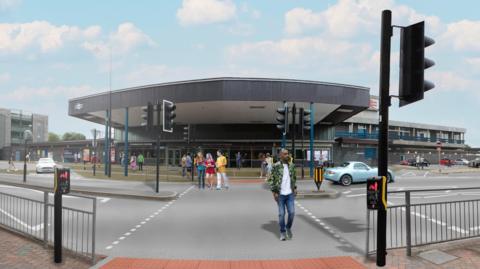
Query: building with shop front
(239, 115)
(13, 124)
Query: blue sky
(51, 51)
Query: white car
(46, 165)
(461, 162)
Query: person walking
(133, 162)
(184, 165)
(210, 171)
(11, 164)
(189, 164)
(201, 167)
(261, 157)
(238, 159)
(269, 165)
(282, 182)
(140, 160)
(221, 165)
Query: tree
(70, 136)
(53, 137)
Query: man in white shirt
(282, 183)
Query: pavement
(19, 252)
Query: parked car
(46, 165)
(353, 172)
(446, 162)
(409, 162)
(461, 162)
(474, 163)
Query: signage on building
(373, 104)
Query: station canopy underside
(226, 101)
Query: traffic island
(318, 194)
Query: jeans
(219, 180)
(287, 201)
(184, 171)
(140, 166)
(201, 178)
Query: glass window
(360, 166)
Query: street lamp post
(27, 135)
(94, 146)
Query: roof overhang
(226, 100)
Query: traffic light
(304, 119)
(186, 133)
(282, 118)
(147, 116)
(168, 115)
(413, 63)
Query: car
(353, 172)
(461, 162)
(45, 165)
(409, 162)
(474, 163)
(446, 162)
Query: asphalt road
(242, 223)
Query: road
(241, 223)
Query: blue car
(353, 172)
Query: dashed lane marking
(138, 226)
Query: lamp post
(27, 135)
(94, 146)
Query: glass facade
(20, 121)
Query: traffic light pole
(294, 112)
(157, 177)
(385, 44)
(302, 137)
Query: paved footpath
(320, 263)
(22, 253)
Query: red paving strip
(319, 263)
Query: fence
(34, 218)
(418, 224)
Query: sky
(51, 51)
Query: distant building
(356, 139)
(13, 123)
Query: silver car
(46, 165)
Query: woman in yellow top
(221, 165)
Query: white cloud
(9, 4)
(25, 93)
(452, 82)
(474, 62)
(205, 11)
(4, 77)
(123, 40)
(350, 18)
(463, 35)
(17, 37)
(302, 52)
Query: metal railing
(417, 224)
(34, 218)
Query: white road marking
(33, 228)
(121, 238)
(115, 243)
(356, 195)
(426, 173)
(138, 226)
(457, 229)
(103, 200)
(127, 234)
(133, 230)
(143, 222)
(346, 192)
(109, 247)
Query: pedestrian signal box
(376, 193)
(62, 181)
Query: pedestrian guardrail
(34, 218)
(417, 224)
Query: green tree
(70, 136)
(53, 137)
